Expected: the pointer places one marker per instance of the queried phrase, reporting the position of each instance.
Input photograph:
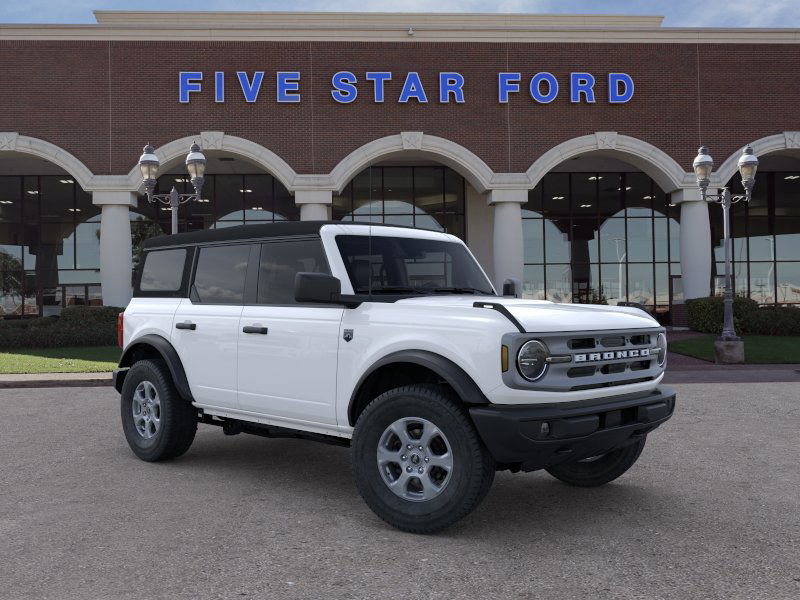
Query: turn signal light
(504, 358)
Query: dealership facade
(558, 147)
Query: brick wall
(102, 101)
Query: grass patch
(85, 359)
(758, 349)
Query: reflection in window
(220, 273)
(601, 238)
(49, 239)
(280, 264)
(766, 239)
(424, 197)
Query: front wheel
(418, 461)
(599, 470)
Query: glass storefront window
(788, 279)
(766, 234)
(424, 197)
(614, 236)
(762, 282)
(533, 239)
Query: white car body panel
(290, 373)
(209, 353)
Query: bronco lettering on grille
(598, 356)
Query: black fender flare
(458, 379)
(167, 352)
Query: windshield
(400, 265)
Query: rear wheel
(157, 422)
(599, 470)
(417, 460)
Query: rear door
(288, 351)
(205, 326)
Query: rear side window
(220, 274)
(163, 270)
(281, 261)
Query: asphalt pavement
(711, 510)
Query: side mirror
(317, 287)
(510, 288)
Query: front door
(288, 351)
(205, 326)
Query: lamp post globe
(196, 165)
(148, 165)
(748, 165)
(703, 164)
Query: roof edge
(310, 19)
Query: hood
(542, 316)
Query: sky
(678, 13)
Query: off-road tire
(593, 473)
(473, 467)
(178, 418)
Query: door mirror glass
(317, 287)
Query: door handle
(186, 325)
(255, 329)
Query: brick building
(558, 147)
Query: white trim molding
(11, 141)
(218, 140)
(786, 141)
(442, 150)
(656, 163)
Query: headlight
(661, 349)
(532, 360)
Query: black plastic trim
(463, 385)
(503, 311)
(170, 356)
(514, 434)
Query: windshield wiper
(462, 290)
(389, 289)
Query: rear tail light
(120, 328)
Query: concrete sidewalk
(46, 380)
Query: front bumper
(538, 436)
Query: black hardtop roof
(247, 232)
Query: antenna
(369, 248)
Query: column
(695, 243)
(507, 244)
(116, 263)
(315, 205)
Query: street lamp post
(703, 165)
(195, 164)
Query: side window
(281, 261)
(220, 274)
(163, 270)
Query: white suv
(391, 341)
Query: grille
(596, 359)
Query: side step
(235, 427)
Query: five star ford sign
(543, 87)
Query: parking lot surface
(711, 510)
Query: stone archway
(788, 141)
(442, 150)
(656, 163)
(11, 141)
